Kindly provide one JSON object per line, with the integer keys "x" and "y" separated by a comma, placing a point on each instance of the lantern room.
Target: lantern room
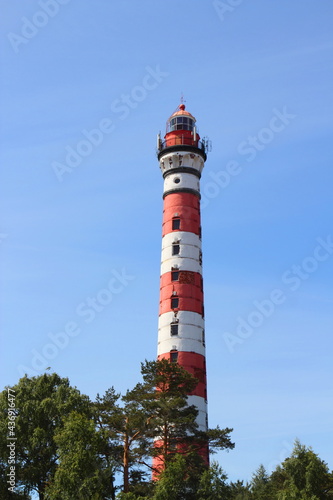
{"x": 180, "y": 131}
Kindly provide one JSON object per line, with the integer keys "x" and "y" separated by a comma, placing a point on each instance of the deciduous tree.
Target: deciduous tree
{"x": 84, "y": 472}
{"x": 41, "y": 405}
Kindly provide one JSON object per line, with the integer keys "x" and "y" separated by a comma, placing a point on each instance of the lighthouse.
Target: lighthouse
{"x": 181, "y": 330}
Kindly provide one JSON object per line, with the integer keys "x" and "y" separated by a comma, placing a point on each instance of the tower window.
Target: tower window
{"x": 174, "y": 329}
{"x": 174, "y": 275}
{"x": 174, "y": 356}
{"x": 174, "y": 302}
{"x": 203, "y": 338}
{"x": 176, "y": 223}
{"x": 175, "y": 248}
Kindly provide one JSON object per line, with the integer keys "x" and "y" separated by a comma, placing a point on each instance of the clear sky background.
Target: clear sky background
{"x": 257, "y": 75}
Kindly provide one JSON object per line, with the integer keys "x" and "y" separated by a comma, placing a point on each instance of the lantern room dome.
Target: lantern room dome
{"x": 181, "y": 111}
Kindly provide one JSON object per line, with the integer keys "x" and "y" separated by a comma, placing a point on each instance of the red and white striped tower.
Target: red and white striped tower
{"x": 181, "y": 334}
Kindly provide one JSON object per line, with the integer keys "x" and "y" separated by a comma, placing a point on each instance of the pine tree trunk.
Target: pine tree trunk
{"x": 165, "y": 443}
{"x": 125, "y": 463}
{"x": 41, "y": 492}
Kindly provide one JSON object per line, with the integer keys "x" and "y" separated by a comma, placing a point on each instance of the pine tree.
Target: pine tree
{"x": 304, "y": 476}
{"x": 260, "y": 484}
{"x": 212, "y": 485}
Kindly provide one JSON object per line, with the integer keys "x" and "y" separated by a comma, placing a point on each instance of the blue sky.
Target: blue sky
{"x": 80, "y": 244}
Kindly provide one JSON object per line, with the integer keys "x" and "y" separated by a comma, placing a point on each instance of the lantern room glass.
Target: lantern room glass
{"x": 181, "y": 123}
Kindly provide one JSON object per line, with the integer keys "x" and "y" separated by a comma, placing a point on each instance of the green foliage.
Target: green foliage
{"x": 83, "y": 472}
{"x": 168, "y": 378}
{"x": 173, "y": 483}
{"x": 306, "y": 477}
{"x": 212, "y": 485}
{"x": 70, "y": 448}
{"x": 180, "y": 482}
{"x": 219, "y": 439}
{"x": 42, "y": 403}
{"x": 260, "y": 486}
{"x": 125, "y": 429}
{"x": 163, "y": 399}
{"x": 156, "y": 407}
{"x": 130, "y": 496}
{"x": 163, "y": 395}
{"x": 20, "y": 492}
{"x": 239, "y": 491}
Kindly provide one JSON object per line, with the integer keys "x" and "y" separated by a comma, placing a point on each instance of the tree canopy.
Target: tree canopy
{"x": 68, "y": 447}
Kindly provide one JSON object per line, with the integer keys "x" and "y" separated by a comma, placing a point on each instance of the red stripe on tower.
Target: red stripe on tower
{"x": 181, "y": 335}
